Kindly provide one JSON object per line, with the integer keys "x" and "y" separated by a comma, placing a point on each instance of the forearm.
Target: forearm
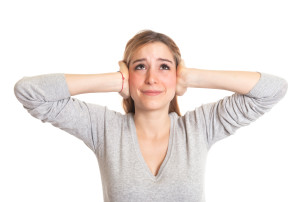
{"x": 93, "y": 83}
{"x": 236, "y": 81}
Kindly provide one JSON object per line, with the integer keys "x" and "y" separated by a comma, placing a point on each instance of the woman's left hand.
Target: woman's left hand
{"x": 181, "y": 85}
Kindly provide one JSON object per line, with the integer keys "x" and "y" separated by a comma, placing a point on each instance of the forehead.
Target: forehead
{"x": 153, "y": 49}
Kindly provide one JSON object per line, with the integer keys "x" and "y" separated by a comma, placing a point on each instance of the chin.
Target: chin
{"x": 153, "y": 106}
{"x": 153, "y": 103}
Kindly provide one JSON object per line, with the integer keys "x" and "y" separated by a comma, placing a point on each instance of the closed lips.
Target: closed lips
{"x": 151, "y": 91}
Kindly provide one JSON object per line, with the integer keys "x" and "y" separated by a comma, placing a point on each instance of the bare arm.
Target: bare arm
{"x": 95, "y": 83}
{"x": 236, "y": 81}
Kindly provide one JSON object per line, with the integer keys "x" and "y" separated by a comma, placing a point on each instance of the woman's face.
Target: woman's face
{"x": 152, "y": 77}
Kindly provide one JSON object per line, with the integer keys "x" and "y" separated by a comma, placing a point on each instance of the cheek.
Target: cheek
{"x": 134, "y": 81}
{"x": 170, "y": 82}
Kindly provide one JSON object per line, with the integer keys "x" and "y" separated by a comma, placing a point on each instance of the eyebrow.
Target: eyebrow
{"x": 160, "y": 59}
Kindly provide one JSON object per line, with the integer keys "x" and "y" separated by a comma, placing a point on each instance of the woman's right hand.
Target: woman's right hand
{"x": 124, "y": 69}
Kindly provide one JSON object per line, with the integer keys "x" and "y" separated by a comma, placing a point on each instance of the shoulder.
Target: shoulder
{"x": 191, "y": 118}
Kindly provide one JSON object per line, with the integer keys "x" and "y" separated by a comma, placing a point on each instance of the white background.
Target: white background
{"x": 39, "y": 162}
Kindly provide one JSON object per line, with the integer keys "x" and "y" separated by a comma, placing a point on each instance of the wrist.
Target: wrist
{"x": 193, "y": 77}
{"x": 187, "y": 77}
{"x": 122, "y": 82}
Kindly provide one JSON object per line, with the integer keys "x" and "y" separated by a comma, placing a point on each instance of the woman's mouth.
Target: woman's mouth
{"x": 151, "y": 92}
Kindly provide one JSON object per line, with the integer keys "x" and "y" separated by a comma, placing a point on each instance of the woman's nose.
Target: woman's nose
{"x": 151, "y": 77}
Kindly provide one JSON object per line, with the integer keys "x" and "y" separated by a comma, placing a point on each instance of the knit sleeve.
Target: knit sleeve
{"x": 222, "y": 118}
{"x": 46, "y": 97}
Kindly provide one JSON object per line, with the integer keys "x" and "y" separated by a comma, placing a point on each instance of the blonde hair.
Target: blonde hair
{"x": 142, "y": 38}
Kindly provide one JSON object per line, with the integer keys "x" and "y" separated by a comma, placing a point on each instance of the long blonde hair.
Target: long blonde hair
{"x": 140, "y": 39}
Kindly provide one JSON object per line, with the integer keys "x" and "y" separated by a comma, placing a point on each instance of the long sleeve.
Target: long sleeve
{"x": 222, "y": 118}
{"x": 46, "y": 97}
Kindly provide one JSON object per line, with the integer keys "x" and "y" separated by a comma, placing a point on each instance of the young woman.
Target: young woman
{"x": 151, "y": 153}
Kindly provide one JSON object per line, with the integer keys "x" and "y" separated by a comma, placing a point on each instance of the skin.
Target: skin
{"x": 152, "y": 74}
{"x": 152, "y": 67}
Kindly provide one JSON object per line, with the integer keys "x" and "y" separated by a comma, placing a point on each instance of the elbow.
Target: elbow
{"x": 283, "y": 88}
{"x": 19, "y": 88}
{"x": 286, "y": 85}
{"x": 22, "y": 91}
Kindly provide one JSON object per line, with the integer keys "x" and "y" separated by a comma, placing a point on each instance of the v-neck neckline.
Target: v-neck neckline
{"x": 139, "y": 152}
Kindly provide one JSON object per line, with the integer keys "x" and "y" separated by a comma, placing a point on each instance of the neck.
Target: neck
{"x": 152, "y": 124}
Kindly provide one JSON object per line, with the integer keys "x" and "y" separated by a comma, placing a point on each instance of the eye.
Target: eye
{"x": 165, "y": 67}
{"x": 140, "y": 66}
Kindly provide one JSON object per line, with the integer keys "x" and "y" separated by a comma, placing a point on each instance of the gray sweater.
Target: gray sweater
{"x": 112, "y": 136}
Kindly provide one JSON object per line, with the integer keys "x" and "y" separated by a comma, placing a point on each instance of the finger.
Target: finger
{"x": 122, "y": 65}
{"x": 182, "y": 64}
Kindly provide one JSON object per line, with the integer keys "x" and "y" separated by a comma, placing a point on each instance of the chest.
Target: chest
{"x": 154, "y": 153}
